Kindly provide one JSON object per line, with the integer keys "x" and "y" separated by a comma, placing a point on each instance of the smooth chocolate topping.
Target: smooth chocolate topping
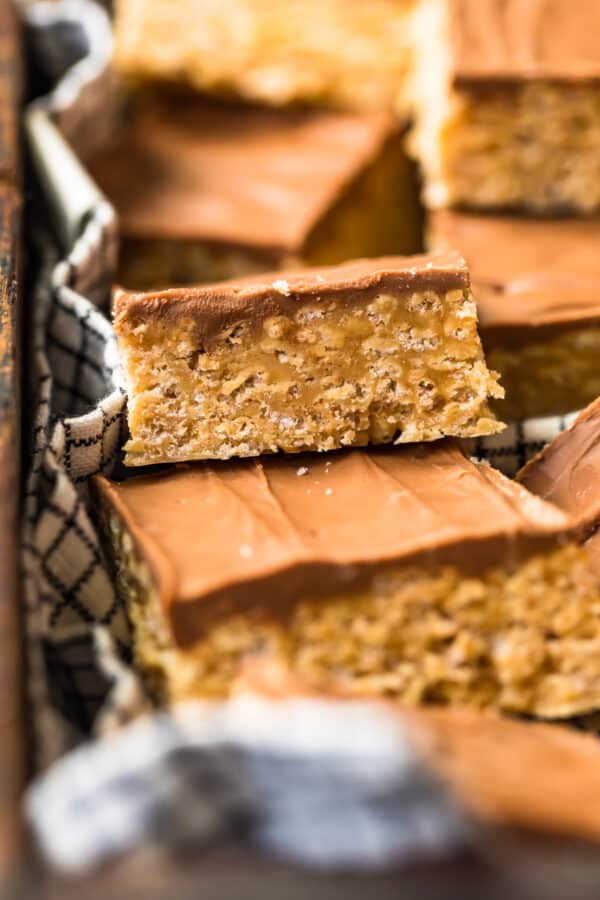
{"x": 531, "y": 278}
{"x": 218, "y": 306}
{"x": 238, "y": 175}
{"x": 567, "y": 471}
{"x": 517, "y": 39}
{"x": 269, "y": 531}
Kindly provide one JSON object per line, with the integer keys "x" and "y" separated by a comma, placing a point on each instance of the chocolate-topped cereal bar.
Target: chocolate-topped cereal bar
{"x": 409, "y": 572}
{"x": 537, "y": 288}
{"x": 507, "y": 96}
{"x": 534, "y": 778}
{"x": 567, "y": 472}
{"x": 208, "y": 191}
{"x": 333, "y": 53}
{"x": 371, "y": 351}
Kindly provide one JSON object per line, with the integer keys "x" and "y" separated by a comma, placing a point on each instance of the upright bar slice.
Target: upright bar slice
{"x": 507, "y": 96}
{"x": 409, "y": 572}
{"x": 567, "y": 473}
{"x": 208, "y": 191}
{"x": 368, "y": 352}
{"x": 348, "y": 55}
{"x": 537, "y": 287}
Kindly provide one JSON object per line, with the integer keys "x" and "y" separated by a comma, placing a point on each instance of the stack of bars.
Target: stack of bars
{"x": 402, "y": 569}
{"x": 298, "y": 159}
{"x": 507, "y": 110}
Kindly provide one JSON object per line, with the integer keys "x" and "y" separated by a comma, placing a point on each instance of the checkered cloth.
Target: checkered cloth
{"x": 338, "y": 789}
{"x": 79, "y": 405}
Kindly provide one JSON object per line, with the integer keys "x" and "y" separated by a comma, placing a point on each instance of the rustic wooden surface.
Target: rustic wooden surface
{"x": 526, "y": 870}
{"x": 11, "y": 748}
{"x": 10, "y": 93}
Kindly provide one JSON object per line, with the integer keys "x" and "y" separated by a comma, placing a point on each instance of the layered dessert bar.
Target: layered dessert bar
{"x": 529, "y": 777}
{"x": 507, "y": 96}
{"x": 371, "y": 351}
{"x": 206, "y": 192}
{"x": 567, "y": 473}
{"x": 348, "y": 55}
{"x": 537, "y": 287}
{"x": 407, "y": 572}
{"x": 532, "y": 778}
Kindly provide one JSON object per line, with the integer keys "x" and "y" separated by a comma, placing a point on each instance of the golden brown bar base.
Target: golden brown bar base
{"x": 507, "y": 101}
{"x": 378, "y": 215}
{"x": 335, "y": 53}
{"x": 537, "y": 287}
{"x": 531, "y": 146}
{"x": 552, "y": 377}
{"x": 522, "y": 641}
{"x": 148, "y": 264}
{"x": 390, "y": 368}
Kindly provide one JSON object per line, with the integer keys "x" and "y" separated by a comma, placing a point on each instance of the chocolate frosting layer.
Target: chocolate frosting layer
{"x": 517, "y": 39}
{"x": 217, "y": 306}
{"x": 567, "y": 471}
{"x": 532, "y": 278}
{"x": 228, "y": 537}
{"x": 192, "y": 170}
